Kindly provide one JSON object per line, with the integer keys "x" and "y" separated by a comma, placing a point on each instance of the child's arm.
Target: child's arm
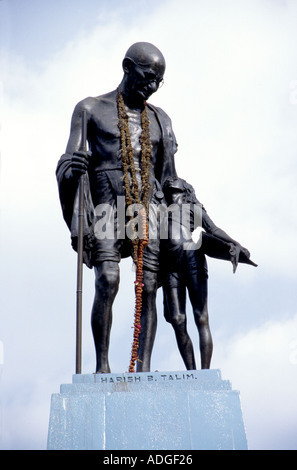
{"x": 236, "y": 248}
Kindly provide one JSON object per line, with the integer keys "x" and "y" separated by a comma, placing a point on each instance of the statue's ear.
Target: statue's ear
{"x": 127, "y": 65}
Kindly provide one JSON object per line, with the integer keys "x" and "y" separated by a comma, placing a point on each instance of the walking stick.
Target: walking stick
{"x": 80, "y": 252}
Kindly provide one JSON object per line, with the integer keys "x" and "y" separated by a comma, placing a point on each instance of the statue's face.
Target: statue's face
{"x": 144, "y": 80}
{"x": 175, "y": 196}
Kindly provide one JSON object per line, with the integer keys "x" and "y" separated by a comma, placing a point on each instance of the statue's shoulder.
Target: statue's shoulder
{"x": 162, "y": 115}
{"x": 106, "y": 99}
{"x": 93, "y": 102}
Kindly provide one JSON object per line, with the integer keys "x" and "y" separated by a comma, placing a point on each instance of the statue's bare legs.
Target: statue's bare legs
{"x": 197, "y": 288}
{"x": 106, "y": 287}
{"x": 176, "y": 307}
{"x": 148, "y": 321}
{"x": 175, "y": 299}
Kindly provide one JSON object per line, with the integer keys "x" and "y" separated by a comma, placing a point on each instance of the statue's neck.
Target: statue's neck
{"x": 130, "y": 100}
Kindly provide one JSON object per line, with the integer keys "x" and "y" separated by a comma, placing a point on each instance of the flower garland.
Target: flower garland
{"x": 134, "y": 196}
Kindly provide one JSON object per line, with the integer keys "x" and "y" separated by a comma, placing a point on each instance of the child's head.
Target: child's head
{"x": 174, "y": 185}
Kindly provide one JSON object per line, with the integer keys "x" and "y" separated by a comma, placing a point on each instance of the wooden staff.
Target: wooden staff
{"x": 80, "y": 252}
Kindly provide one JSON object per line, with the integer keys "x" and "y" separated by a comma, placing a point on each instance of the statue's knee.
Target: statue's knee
{"x": 201, "y": 317}
{"x": 150, "y": 283}
{"x": 178, "y": 320}
{"x": 107, "y": 276}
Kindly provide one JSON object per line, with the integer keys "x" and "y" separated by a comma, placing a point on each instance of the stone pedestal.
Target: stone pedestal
{"x": 184, "y": 410}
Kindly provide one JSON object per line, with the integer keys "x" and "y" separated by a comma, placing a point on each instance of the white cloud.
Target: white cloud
{"x": 227, "y": 89}
{"x": 261, "y": 364}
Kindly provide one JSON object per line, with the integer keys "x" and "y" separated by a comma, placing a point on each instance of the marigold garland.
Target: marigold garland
{"x": 134, "y": 195}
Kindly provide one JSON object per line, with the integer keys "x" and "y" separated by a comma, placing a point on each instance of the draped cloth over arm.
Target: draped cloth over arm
{"x": 69, "y": 199}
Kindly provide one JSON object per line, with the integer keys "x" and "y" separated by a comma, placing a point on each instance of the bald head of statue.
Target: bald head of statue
{"x": 144, "y": 66}
{"x": 146, "y": 54}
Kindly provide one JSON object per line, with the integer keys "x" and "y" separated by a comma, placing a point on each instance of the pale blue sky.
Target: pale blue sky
{"x": 230, "y": 89}
{"x": 36, "y": 29}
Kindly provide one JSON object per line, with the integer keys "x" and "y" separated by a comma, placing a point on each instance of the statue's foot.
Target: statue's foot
{"x": 102, "y": 365}
{"x": 103, "y": 370}
{"x": 141, "y": 367}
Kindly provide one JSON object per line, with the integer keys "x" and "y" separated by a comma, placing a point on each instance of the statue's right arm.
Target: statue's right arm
{"x": 78, "y": 160}
{"x": 72, "y": 164}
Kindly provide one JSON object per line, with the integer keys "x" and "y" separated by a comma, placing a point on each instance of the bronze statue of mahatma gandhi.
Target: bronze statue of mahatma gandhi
{"x": 130, "y": 156}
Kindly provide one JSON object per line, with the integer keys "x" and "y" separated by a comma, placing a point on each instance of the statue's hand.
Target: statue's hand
{"x": 235, "y": 251}
{"x": 79, "y": 163}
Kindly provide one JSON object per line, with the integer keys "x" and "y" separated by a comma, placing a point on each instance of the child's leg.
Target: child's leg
{"x": 175, "y": 313}
{"x": 197, "y": 288}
